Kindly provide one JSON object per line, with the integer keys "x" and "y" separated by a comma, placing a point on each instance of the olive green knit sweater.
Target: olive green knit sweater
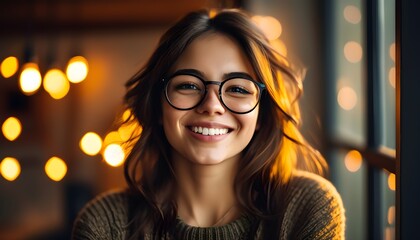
{"x": 314, "y": 210}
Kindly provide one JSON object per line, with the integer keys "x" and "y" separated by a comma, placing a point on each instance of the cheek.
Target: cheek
{"x": 250, "y": 122}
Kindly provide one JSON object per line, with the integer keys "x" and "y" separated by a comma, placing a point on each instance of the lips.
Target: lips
{"x": 209, "y": 131}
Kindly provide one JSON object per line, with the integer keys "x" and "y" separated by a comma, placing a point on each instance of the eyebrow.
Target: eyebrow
{"x": 200, "y": 74}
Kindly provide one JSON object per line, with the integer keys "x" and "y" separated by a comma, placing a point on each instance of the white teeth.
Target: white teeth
{"x": 210, "y": 131}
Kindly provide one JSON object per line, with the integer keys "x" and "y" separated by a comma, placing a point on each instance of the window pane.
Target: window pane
{"x": 388, "y": 205}
{"x": 348, "y": 62}
{"x": 348, "y": 172}
{"x": 388, "y": 78}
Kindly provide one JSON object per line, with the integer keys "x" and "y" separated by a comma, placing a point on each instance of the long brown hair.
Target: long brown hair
{"x": 275, "y": 151}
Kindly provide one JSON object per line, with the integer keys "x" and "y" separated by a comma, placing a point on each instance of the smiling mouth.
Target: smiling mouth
{"x": 209, "y": 131}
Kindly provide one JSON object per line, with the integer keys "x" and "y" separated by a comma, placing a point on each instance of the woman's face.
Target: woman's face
{"x": 224, "y": 134}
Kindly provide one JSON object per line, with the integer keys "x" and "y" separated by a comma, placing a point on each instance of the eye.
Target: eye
{"x": 187, "y": 86}
{"x": 237, "y": 90}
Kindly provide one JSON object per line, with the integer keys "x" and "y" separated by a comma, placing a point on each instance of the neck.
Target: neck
{"x": 205, "y": 193}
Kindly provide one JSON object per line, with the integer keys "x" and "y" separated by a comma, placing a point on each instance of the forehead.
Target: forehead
{"x": 214, "y": 53}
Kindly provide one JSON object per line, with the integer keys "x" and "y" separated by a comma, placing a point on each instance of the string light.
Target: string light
{"x": 91, "y": 143}
{"x": 56, "y": 169}
{"x": 56, "y": 83}
{"x": 30, "y": 78}
{"x": 9, "y": 66}
{"x": 114, "y": 155}
{"x": 10, "y": 168}
{"x": 11, "y": 128}
{"x": 77, "y": 69}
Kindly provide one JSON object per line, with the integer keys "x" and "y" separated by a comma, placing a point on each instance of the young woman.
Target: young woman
{"x": 220, "y": 147}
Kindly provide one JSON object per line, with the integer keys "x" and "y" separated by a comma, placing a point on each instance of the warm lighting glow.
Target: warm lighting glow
{"x": 114, "y": 155}
{"x": 56, "y": 83}
{"x": 30, "y": 78}
{"x": 391, "y": 76}
{"x": 212, "y": 13}
{"x": 11, "y": 128}
{"x": 10, "y": 168}
{"x": 391, "y": 181}
{"x": 347, "y": 98}
{"x": 353, "y": 161}
{"x": 392, "y": 52}
{"x": 279, "y": 46}
{"x": 127, "y": 130}
{"x": 112, "y": 137}
{"x": 270, "y": 26}
{"x": 391, "y": 215}
{"x": 353, "y": 52}
{"x": 389, "y": 233}
{"x": 352, "y": 14}
{"x": 9, "y": 66}
{"x": 91, "y": 143}
{"x": 77, "y": 69}
{"x": 126, "y": 115}
{"x": 56, "y": 169}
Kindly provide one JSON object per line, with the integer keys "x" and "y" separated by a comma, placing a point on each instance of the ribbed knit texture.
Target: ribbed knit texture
{"x": 314, "y": 210}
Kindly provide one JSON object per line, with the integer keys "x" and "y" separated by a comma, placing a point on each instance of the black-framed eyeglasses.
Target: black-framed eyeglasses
{"x": 186, "y": 90}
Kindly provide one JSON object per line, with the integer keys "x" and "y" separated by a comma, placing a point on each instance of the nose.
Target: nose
{"x": 211, "y": 103}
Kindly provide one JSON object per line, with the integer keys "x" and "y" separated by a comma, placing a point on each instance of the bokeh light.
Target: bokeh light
{"x": 9, "y": 66}
{"x": 353, "y": 52}
{"x": 391, "y": 215}
{"x": 392, "y": 51}
{"x": 10, "y": 168}
{"x": 353, "y": 161}
{"x": 11, "y": 128}
{"x": 352, "y": 14}
{"x": 77, "y": 69}
{"x": 279, "y": 46}
{"x": 391, "y": 182}
{"x": 30, "y": 78}
{"x": 56, "y": 169}
{"x": 114, "y": 155}
{"x": 91, "y": 143}
{"x": 347, "y": 98}
{"x": 270, "y": 26}
{"x": 112, "y": 137}
{"x": 56, "y": 83}
{"x": 392, "y": 76}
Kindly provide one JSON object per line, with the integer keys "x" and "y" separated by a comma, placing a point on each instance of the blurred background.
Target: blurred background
{"x": 64, "y": 64}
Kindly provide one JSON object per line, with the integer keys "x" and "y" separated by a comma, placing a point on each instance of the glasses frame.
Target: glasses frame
{"x": 261, "y": 88}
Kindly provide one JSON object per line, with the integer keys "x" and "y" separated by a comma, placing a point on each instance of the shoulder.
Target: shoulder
{"x": 314, "y": 208}
{"x": 106, "y": 216}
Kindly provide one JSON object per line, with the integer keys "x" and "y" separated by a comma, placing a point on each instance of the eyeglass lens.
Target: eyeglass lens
{"x": 237, "y": 94}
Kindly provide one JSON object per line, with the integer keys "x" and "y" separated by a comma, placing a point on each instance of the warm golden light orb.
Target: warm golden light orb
{"x": 352, "y": 14}
{"x": 56, "y": 83}
{"x": 347, "y": 98}
{"x": 391, "y": 182}
{"x": 10, "y": 168}
{"x": 91, "y": 143}
{"x": 9, "y": 66}
{"x": 77, "y": 69}
{"x": 112, "y": 137}
{"x": 353, "y": 52}
{"x": 30, "y": 78}
{"x": 392, "y": 76}
{"x": 56, "y": 169}
{"x": 353, "y": 161}
{"x": 270, "y": 26}
{"x": 114, "y": 155}
{"x": 11, "y": 128}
